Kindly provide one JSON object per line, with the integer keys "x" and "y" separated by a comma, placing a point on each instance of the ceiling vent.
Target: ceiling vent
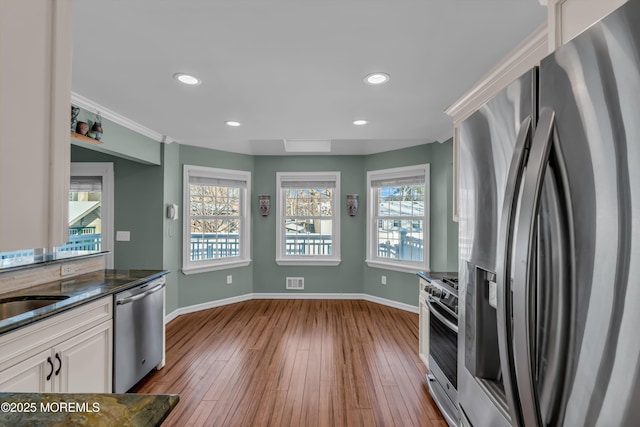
{"x": 307, "y": 145}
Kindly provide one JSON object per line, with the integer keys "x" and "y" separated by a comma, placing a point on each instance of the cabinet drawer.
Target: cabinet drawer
{"x": 46, "y": 333}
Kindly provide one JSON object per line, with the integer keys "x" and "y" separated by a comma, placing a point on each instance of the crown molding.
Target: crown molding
{"x": 89, "y": 105}
{"x": 523, "y": 57}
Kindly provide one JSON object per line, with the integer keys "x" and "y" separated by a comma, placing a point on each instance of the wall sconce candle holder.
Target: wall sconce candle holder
{"x": 264, "y": 203}
{"x": 352, "y": 204}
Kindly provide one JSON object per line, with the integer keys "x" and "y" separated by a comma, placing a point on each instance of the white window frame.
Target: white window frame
{"x": 312, "y": 260}
{"x": 105, "y": 171}
{"x": 373, "y": 260}
{"x": 244, "y": 259}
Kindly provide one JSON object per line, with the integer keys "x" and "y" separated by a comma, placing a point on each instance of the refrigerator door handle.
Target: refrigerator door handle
{"x": 503, "y": 276}
{"x": 524, "y": 274}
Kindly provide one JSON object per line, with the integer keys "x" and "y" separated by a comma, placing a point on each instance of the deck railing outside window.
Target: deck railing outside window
{"x": 216, "y": 245}
{"x": 407, "y": 249}
{"x": 82, "y": 239}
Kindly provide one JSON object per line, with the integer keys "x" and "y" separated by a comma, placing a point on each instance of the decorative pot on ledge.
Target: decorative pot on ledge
{"x": 74, "y": 117}
{"x": 82, "y": 128}
{"x": 97, "y": 130}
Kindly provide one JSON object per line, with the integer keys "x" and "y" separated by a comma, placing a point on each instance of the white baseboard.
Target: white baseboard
{"x": 246, "y": 297}
{"x": 391, "y": 303}
{"x": 295, "y": 295}
{"x": 205, "y": 306}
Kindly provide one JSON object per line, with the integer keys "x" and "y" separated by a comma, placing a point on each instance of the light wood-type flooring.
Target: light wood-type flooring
{"x": 295, "y": 363}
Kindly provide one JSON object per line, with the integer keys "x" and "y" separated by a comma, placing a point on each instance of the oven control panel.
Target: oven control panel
{"x": 443, "y": 291}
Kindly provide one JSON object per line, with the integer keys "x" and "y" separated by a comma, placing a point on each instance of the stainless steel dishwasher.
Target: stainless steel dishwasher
{"x": 138, "y": 336}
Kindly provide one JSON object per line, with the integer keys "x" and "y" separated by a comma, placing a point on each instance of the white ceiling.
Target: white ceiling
{"x": 292, "y": 69}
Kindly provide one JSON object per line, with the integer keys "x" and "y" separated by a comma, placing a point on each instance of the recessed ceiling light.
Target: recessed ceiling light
{"x": 187, "y": 79}
{"x": 376, "y": 78}
{"x": 232, "y": 123}
{"x": 360, "y": 122}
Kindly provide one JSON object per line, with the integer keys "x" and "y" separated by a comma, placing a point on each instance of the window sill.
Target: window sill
{"x": 217, "y": 266}
{"x": 309, "y": 261}
{"x": 404, "y": 268}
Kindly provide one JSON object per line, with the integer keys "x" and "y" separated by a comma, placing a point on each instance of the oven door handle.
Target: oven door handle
{"x": 448, "y": 323}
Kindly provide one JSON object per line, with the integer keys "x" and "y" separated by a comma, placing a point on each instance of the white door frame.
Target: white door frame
{"x": 104, "y": 170}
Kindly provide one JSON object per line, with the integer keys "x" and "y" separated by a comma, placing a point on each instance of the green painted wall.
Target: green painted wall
{"x": 171, "y": 239}
{"x": 402, "y": 287}
{"x": 143, "y": 191}
{"x": 138, "y": 209}
{"x": 344, "y": 278}
{"x": 211, "y": 286}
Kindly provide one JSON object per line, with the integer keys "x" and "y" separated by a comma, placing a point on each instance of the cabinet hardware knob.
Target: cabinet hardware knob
{"x": 50, "y": 364}
{"x": 60, "y": 363}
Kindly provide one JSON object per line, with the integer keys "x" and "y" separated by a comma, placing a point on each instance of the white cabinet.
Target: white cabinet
{"x": 35, "y": 83}
{"x": 30, "y": 375}
{"x": 68, "y": 353}
{"x": 85, "y": 361}
{"x": 568, "y": 18}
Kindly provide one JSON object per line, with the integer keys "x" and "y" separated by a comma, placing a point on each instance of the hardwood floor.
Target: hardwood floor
{"x": 295, "y": 363}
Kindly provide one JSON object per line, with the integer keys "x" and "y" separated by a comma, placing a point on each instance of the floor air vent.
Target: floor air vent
{"x": 296, "y": 283}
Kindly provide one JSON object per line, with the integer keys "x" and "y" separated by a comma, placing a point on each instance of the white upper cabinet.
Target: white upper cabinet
{"x": 35, "y": 99}
{"x": 568, "y": 18}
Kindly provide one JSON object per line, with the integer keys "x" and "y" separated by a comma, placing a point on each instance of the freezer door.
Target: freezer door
{"x": 592, "y": 88}
{"x": 487, "y": 144}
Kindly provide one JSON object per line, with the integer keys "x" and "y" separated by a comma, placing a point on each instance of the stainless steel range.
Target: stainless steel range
{"x": 441, "y": 298}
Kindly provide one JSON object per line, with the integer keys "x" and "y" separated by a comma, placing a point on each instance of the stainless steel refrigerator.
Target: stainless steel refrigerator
{"x": 549, "y": 272}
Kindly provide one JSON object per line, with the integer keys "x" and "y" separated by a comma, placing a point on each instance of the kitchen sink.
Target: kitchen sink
{"x": 14, "y": 306}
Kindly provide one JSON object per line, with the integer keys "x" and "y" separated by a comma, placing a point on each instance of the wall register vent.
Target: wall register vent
{"x": 295, "y": 283}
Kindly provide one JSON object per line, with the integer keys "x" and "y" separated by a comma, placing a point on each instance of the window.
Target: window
{"x": 91, "y": 209}
{"x": 90, "y": 216}
{"x": 216, "y": 219}
{"x": 308, "y": 218}
{"x": 398, "y": 219}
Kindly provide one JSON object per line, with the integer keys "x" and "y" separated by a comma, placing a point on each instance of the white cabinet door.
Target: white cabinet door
{"x": 35, "y": 83}
{"x": 85, "y": 362}
{"x": 30, "y": 375}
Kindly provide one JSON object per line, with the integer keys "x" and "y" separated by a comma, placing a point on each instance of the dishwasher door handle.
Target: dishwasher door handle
{"x": 140, "y": 296}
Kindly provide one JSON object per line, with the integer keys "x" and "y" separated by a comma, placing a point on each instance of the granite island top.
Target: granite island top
{"x": 85, "y": 409}
{"x": 79, "y": 290}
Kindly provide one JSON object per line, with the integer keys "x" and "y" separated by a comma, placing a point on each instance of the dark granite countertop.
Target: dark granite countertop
{"x": 85, "y": 409}
{"x": 430, "y": 275}
{"x": 80, "y": 290}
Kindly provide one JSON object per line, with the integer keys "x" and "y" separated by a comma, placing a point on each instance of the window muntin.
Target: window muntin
{"x": 397, "y": 218}
{"x": 216, "y": 219}
{"x": 308, "y": 226}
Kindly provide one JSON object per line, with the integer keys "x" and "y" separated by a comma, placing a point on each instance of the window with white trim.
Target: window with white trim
{"x": 398, "y": 218}
{"x": 308, "y": 225}
{"x": 217, "y": 219}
